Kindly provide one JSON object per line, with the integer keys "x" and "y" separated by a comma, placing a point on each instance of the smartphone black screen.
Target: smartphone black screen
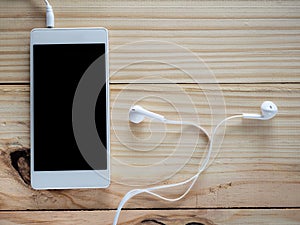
{"x": 57, "y": 70}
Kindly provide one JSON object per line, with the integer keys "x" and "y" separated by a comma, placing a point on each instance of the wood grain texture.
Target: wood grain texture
{"x": 169, "y": 56}
{"x": 155, "y": 217}
{"x": 257, "y": 165}
{"x": 239, "y": 41}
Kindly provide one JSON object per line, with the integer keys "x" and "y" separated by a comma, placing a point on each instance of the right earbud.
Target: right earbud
{"x": 268, "y": 111}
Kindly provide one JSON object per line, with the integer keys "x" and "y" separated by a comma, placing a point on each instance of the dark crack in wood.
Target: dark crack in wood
{"x": 195, "y": 223}
{"x": 153, "y": 221}
{"x": 20, "y": 160}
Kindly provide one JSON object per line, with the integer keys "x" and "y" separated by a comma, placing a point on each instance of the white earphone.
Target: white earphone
{"x": 268, "y": 111}
{"x": 137, "y": 113}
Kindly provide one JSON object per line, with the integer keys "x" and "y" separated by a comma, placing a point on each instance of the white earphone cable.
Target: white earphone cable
{"x": 194, "y": 178}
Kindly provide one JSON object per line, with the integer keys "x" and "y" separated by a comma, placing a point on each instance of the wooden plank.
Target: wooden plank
{"x": 257, "y": 165}
{"x": 154, "y": 217}
{"x": 239, "y": 41}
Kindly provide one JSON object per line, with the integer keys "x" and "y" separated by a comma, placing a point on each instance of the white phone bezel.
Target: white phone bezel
{"x": 78, "y": 178}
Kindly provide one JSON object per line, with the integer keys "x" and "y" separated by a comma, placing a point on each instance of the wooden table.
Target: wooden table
{"x": 244, "y": 51}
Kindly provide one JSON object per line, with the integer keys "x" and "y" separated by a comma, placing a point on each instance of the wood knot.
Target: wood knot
{"x": 219, "y": 187}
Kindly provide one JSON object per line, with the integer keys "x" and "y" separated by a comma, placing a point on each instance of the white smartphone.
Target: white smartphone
{"x": 69, "y": 108}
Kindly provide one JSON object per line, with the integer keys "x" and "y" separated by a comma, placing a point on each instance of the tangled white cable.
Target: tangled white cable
{"x": 137, "y": 115}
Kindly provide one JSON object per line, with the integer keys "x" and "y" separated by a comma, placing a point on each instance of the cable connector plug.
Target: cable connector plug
{"x": 49, "y": 16}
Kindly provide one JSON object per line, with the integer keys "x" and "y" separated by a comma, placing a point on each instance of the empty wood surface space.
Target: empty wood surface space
{"x": 192, "y": 60}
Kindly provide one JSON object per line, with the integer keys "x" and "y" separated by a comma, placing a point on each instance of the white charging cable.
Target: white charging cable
{"x": 49, "y": 15}
{"x": 193, "y": 179}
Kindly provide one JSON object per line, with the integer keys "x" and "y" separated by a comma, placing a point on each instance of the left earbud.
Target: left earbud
{"x": 137, "y": 114}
